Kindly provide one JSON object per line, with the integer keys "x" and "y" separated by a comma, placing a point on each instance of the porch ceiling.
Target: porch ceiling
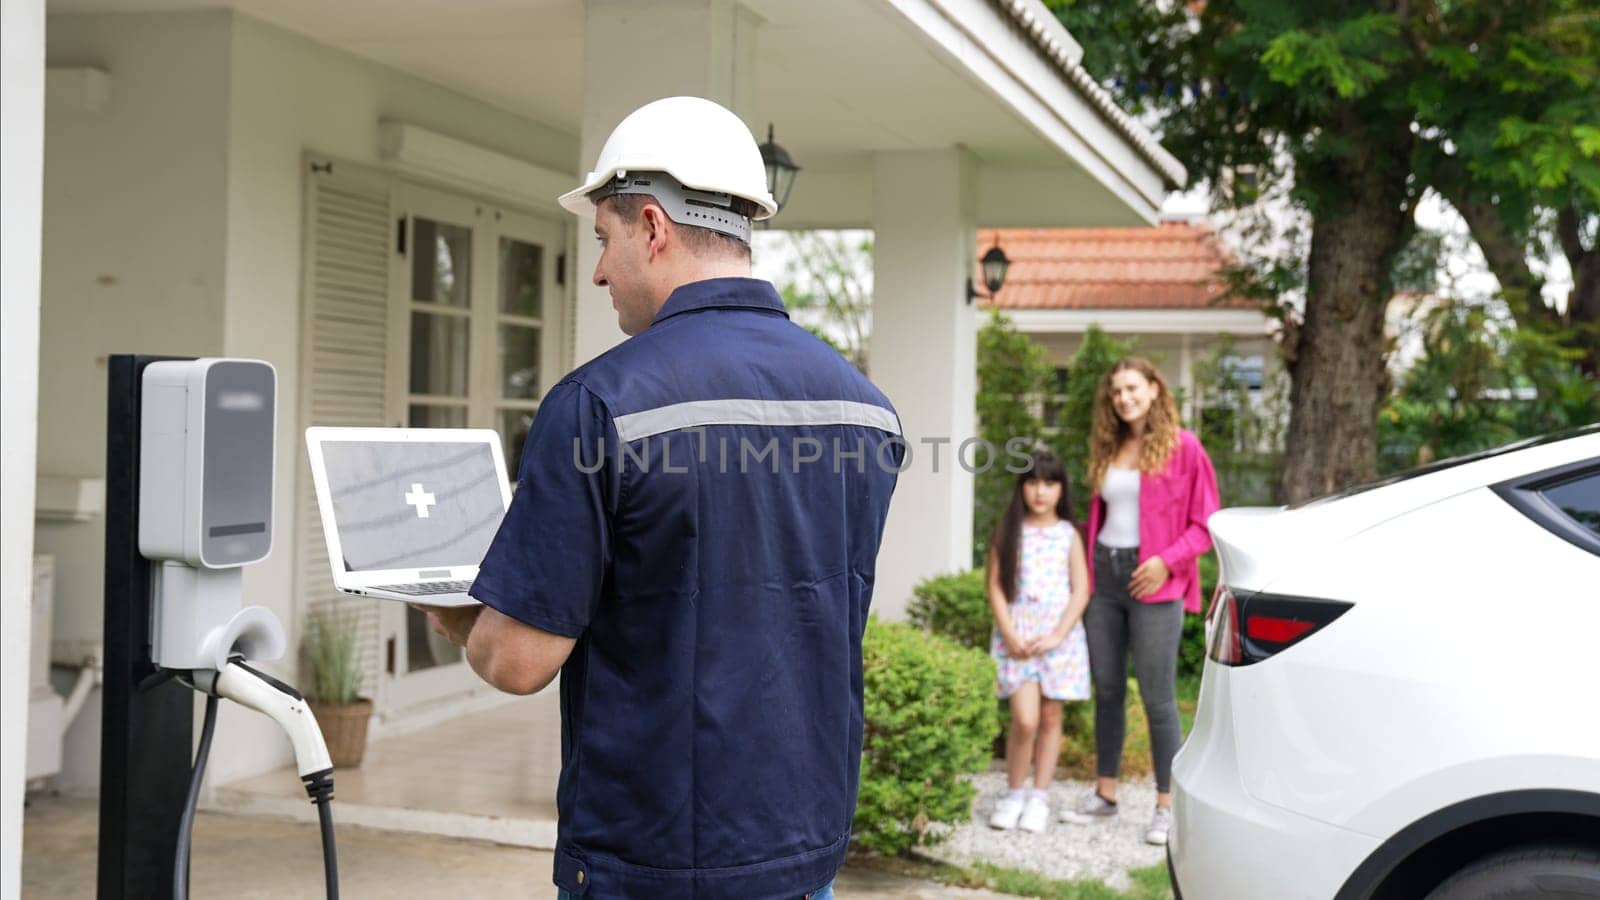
{"x": 841, "y": 79}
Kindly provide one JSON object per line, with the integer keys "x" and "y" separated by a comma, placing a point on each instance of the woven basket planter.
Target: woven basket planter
{"x": 344, "y": 728}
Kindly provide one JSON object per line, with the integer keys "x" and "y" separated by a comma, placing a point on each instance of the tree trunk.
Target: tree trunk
{"x": 1583, "y": 303}
{"x": 1503, "y": 250}
{"x": 1338, "y": 371}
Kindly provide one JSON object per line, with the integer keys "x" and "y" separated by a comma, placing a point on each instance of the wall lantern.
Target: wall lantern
{"x": 780, "y": 169}
{"x": 994, "y": 264}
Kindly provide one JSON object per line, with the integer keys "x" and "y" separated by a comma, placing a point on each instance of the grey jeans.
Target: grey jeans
{"x": 1115, "y": 623}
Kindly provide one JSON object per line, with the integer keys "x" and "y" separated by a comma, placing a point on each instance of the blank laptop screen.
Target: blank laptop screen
{"x": 405, "y": 505}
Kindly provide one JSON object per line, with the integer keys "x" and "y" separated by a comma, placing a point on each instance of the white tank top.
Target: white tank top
{"x": 1121, "y": 493}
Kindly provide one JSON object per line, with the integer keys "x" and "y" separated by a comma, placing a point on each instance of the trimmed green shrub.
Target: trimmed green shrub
{"x": 956, "y": 606}
{"x": 930, "y": 719}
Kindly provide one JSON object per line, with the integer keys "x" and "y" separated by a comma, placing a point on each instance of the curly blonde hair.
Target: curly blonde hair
{"x": 1109, "y": 431}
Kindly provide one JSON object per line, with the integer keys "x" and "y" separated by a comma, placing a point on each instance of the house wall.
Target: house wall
{"x": 173, "y": 224}
{"x": 288, "y": 95}
{"x": 135, "y": 230}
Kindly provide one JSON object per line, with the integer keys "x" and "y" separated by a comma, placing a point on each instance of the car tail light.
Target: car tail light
{"x": 1248, "y": 628}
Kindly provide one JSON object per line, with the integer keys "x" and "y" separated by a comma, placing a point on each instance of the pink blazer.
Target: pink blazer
{"x": 1173, "y": 509}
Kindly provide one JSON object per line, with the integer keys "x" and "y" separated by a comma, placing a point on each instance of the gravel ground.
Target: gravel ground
{"x": 1104, "y": 850}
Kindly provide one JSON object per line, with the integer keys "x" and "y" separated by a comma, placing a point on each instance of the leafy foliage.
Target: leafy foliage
{"x": 331, "y": 651}
{"x": 954, "y": 606}
{"x": 930, "y": 719}
{"x": 1494, "y": 105}
{"x": 1480, "y": 383}
{"x": 1242, "y": 430}
{"x": 827, "y": 285}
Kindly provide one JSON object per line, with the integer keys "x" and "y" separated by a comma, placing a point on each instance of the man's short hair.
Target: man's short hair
{"x": 701, "y": 241}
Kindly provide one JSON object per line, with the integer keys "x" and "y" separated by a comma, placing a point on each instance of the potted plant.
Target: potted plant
{"x": 331, "y": 652}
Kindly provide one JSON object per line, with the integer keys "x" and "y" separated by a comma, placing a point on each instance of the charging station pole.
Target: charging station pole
{"x": 147, "y": 726}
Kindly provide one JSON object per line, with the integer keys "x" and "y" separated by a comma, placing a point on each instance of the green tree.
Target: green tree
{"x": 1242, "y": 430}
{"x": 1013, "y": 375}
{"x": 827, "y": 285}
{"x": 1348, "y": 108}
{"x": 1481, "y": 382}
{"x": 1511, "y": 137}
{"x": 1094, "y": 358}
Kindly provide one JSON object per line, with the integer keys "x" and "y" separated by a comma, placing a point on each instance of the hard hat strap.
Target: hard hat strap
{"x": 685, "y": 206}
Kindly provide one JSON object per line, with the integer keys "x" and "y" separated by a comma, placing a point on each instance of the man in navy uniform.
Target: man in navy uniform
{"x": 692, "y": 546}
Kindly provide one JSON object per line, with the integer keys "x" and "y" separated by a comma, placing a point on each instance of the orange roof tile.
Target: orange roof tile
{"x": 1172, "y": 266}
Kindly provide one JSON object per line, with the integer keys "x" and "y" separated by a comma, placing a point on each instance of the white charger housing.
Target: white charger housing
{"x": 208, "y": 430}
{"x": 207, "y": 434}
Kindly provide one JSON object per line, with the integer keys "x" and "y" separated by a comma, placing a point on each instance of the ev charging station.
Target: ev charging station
{"x": 190, "y": 448}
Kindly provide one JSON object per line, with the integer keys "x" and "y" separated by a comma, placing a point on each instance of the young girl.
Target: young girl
{"x": 1154, "y": 489}
{"x": 1038, "y": 588}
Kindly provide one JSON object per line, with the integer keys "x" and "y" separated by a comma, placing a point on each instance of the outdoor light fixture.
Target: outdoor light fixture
{"x": 780, "y": 169}
{"x": 994, "y": 265}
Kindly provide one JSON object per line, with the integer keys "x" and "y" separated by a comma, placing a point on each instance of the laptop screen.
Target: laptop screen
{"x": 412, "y": 504}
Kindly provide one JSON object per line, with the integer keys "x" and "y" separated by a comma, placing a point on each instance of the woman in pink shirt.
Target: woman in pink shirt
{"x": 1153, "y": 490}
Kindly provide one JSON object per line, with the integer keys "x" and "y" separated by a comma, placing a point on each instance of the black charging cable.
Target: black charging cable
{"x": 180, "y": 859}
{"x": 319, "y": 787}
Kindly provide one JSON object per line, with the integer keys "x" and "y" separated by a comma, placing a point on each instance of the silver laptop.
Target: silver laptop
{"x": 408, "y": 513}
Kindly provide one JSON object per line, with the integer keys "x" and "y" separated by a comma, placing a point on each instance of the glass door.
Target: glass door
{"x": 480, "y": 311}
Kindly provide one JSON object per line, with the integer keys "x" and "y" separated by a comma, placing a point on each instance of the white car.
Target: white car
{"x": 1402, "y": 695}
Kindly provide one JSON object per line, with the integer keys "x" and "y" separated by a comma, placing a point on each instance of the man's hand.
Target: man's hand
{"x": 453, "y": 623}
{"x": 1149, "y": 577}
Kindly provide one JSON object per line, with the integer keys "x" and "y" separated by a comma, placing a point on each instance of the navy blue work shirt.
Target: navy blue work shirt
{"x": 701, "y": 508}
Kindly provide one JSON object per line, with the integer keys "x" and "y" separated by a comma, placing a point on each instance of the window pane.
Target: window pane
{"x": 437, "y": 417}
{"x": 521, "y": 281}
{"x": 424, "y": 649}
{"x": 519, "y": 362}
{"x": 441, "y": 263}
{"x": 1580, "y": 500}
{"x": 514, "y": 425}
{"x": 438, "y": 355}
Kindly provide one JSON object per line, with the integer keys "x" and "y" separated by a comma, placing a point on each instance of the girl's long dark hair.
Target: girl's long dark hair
{"x": 1007, "y": 539}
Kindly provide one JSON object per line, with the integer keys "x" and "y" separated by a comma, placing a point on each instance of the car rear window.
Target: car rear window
{"x": 1564, "y": 501}
{"x": 1578, "y": 500}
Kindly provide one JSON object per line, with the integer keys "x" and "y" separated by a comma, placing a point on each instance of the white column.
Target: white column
{"x": 636, "y": 52}
{"x": 22, "y": 172}
{"x": 923, "y": 354}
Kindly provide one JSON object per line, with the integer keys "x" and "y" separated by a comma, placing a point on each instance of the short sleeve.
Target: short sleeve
{"x": 549, "y": 560}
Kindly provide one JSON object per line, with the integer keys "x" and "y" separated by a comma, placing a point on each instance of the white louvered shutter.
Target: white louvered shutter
{"x": 344, "y": 358}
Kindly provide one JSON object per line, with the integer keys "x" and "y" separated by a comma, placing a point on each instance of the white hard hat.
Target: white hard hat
{"x": 703, "y": 146}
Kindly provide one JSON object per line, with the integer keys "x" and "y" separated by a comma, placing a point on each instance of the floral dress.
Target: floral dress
{"x": 1043, "y": 594}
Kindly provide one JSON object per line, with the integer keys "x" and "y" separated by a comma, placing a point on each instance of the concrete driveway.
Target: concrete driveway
{"x": 248, "y": 858}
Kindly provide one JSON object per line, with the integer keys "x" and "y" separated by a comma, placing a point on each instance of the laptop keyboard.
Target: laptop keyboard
{"x": 423, "y": 590}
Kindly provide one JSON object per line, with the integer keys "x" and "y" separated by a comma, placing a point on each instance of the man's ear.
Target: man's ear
{"x": 657, "y": 228}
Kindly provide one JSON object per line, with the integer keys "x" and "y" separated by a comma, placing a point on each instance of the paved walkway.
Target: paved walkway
{"x": 248, "y": 858}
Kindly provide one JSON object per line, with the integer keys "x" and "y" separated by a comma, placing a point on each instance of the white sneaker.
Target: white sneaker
{"x": 1090, "y": 808}
{"x": 1006, "y": 813}
{"x": 1159, "y": 826}
{"x": 1035, "y": 814}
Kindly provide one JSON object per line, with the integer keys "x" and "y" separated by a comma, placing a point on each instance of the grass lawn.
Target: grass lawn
{"x": 1149, "y": 883}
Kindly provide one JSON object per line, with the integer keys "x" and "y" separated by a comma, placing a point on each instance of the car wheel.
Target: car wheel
{"x": 1538, "y": 872}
